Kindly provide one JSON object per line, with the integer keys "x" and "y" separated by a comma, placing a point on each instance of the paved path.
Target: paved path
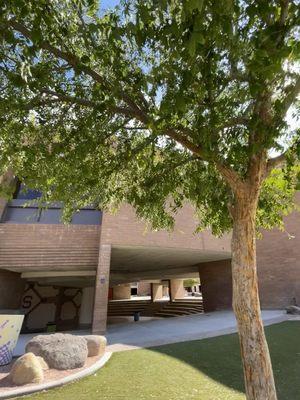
{"x": 135, "y": 335}
{"x": 178, "y": 329}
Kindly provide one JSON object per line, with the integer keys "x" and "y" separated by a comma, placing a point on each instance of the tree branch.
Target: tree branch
{"x": 230, "y": 176}
{"x": 74, "y": 61}
{"x": 276, "y": 161}
{"x": 133, "y": 111}
{"x": 62, "y": 97}
{"x": 284, "y": 11}
{"x": 282, "y": 158}
{"x": 240, "y": 120}
{"x": 292, "y": 93}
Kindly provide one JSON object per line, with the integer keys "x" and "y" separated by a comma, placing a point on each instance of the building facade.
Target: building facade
{"x": 64, "y": 274}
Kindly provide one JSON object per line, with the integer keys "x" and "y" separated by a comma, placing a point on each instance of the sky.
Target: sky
{"x": 105, "y": 4}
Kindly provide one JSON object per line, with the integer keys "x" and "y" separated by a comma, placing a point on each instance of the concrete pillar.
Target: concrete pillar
{"x": 101, "y": 290}
{"x": 122, "y": 292}
{"x": 176, "y": 289}
{"x": 144, "y": 289}
{"x": 165, "y": 291}
{"x": 156, "y": 291}
{"x": 87, "y": 304}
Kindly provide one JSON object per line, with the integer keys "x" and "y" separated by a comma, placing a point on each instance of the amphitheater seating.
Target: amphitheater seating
{"x": 162, "y": 308}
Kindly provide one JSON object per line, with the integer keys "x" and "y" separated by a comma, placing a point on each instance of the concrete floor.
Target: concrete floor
{"x": 147, "y": 333}
{"x": 179, "y": 329}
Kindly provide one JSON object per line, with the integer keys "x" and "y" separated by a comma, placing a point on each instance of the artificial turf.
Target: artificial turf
{"x": 208, "y": 369}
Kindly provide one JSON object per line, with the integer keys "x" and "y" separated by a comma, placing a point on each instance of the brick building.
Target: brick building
{"x": 66, "y": 273}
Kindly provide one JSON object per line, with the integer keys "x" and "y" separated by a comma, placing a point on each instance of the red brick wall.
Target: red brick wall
{"x": 278, "y": 260}
{"x": 124, "y": 229}
{"x": 278, "y": 266}
{"x": 216, "y": 285}
{"x": 11, "y": 290}
{"x": 37, "y": 246}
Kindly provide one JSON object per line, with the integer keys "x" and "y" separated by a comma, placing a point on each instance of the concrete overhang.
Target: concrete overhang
{"x": 135, "y": 263}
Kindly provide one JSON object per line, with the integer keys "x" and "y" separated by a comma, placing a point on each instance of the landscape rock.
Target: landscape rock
{"x": 96, "y": 345}
{"x": 26, "y": 369}
{"x": 60, "y": 351}
{"x": 43, "y": 363}
{"x": 295, "y": 310}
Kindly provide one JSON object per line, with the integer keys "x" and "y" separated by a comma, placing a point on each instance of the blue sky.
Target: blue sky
{"x": 108, "y": 3}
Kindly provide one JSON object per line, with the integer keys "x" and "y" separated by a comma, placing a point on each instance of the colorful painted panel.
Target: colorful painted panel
{"x": 10, "y": 326}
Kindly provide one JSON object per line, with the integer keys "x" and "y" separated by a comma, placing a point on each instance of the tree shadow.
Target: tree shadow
{"x": 219, "y": 358}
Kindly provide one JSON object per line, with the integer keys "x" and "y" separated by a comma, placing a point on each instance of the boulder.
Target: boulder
{"x": 43, "y": 363}
{"x": 26, "y": 369}
{"x": 96, "y": 345}
{"x": 295, "y": 310}
{"x": 60, "y": 351}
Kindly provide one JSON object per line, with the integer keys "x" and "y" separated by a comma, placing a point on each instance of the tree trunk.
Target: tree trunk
{"x": 258, "y": 374}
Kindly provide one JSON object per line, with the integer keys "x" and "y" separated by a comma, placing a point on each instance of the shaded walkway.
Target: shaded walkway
{"x": 179, "y": 329}
{"x": 155, "y": 332}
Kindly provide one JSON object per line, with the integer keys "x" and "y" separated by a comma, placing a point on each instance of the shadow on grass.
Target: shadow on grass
{"x": 219, "y": 358}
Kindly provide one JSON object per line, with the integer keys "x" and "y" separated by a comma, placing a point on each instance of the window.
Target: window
{"x": 87, "y": 217}
{"x": 24, "y": 193}
{"x": 50, "y": 216}
{"x": 19, "y": 211}
{"x": 21, "y": 215}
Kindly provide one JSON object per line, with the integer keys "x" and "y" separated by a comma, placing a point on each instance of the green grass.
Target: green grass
{"x": 207, "y": 369}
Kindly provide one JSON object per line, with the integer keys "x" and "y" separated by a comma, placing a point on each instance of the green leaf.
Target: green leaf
{"x": 191, "y": 5}
{"x": 85, "y": 59}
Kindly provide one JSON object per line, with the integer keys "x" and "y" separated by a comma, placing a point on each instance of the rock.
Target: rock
{"x": 26, "y": 369}
{"x": 43, "y": 363}
{"x": 60, "y": 351}
{"x": 96, "y": 345}
{"x": 293, "y": 310}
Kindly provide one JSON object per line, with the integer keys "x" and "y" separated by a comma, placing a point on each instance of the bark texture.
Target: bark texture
{"x": 258, "y": 374}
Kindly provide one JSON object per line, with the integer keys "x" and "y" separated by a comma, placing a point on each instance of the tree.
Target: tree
{"x": 157, "y": 103}
{"x": 191, "y": 282}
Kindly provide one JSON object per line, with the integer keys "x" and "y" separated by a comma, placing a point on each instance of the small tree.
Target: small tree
{"x": 157, "y": 103}
{"x": 188, "y": 283}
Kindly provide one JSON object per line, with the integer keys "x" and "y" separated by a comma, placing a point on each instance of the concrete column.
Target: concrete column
{"x": 156, "y": 291}
{"x": 122, "y": 292}
{"x": 87, "y": 304}
{"x": 176, "y": 289}
{"x": 144, "y": 289}
{"x": 165, "y": 291}
{"x": 101, "y": 290}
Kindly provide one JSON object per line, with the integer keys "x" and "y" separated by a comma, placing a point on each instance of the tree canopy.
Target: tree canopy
{"x": 154, "y": 103}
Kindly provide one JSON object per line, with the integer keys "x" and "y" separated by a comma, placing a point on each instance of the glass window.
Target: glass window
{"x": 87, "y": 217}
{"x": 22, "y": 209}
{"x": 21, "y": 215}
{"x": 25, "y": 193}
{"x": 51, "y": 216}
